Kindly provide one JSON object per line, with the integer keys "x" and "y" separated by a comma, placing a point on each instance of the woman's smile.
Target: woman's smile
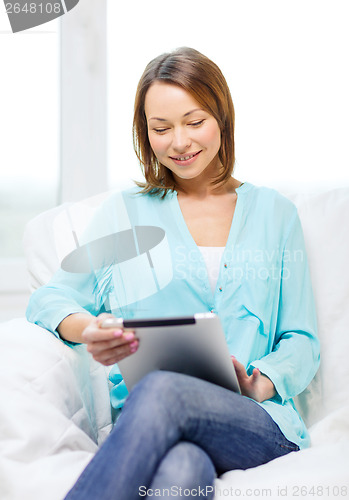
{"x": 188, "y": 159}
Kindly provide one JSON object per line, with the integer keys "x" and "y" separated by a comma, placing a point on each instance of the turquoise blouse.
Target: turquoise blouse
{"x": 138, "y": 259}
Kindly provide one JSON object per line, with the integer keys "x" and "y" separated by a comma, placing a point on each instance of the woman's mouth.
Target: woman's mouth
{"x": 187, "y": 159}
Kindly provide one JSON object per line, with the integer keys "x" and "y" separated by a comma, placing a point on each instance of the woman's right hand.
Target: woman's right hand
{"x": 108, "y": 345}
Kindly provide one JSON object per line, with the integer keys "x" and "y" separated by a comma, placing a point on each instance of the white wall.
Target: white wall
{"x": 286, "y": 65}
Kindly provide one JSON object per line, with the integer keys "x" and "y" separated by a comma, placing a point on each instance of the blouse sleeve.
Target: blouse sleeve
{"x": 295, "y": 356}
{"x": 65, "y": 294}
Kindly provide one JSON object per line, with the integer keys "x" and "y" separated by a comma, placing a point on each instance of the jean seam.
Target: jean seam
{"x": 291, "y": 447}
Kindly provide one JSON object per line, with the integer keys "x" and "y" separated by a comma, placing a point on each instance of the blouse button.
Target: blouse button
{"x": 220, "y": 289}
{"x": 225, "y": 265}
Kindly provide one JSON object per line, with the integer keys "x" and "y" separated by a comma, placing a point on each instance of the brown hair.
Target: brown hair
{"x": 204, "y": 81}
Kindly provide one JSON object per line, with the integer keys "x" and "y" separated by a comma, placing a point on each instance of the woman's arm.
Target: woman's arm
{"x": 67, "y": 294}
{"x": 70, "y": 308}
{"x": 295, "y": 356}
{"x": 72, "y": 327}
{"x": 107, "y": 345}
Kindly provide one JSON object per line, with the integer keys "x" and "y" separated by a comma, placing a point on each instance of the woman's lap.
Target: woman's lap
{"x": 165, "y": 409}
{"x": 234, "y": 430}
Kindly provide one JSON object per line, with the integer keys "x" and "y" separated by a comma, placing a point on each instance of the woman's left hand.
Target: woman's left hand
{"x": 255, "y": 386}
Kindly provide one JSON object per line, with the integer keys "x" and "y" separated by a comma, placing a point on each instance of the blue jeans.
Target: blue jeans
{"x": 177, "y": 431}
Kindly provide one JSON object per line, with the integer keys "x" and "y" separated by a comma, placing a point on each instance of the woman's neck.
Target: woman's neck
{"x": 197, "y": 189}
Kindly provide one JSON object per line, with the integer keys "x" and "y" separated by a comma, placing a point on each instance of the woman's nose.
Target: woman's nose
{"x": 181, "y": 140}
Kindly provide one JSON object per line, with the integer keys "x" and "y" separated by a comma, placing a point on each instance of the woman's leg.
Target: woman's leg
{"x": 164, "y": 409}
{"x": 185, "y": 467}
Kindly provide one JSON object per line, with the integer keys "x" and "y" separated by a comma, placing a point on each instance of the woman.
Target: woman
{"x": 231, "y": 248}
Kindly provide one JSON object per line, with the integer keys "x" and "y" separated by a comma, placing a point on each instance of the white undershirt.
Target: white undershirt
{"x": 212, "y": 257}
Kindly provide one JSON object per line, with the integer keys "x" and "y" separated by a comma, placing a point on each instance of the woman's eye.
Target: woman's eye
{"x": 160, "y": 130}
{"x": 196, "y": 124}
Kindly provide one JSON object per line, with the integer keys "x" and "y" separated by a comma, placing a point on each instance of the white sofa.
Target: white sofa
{"x": 55, "y": 408}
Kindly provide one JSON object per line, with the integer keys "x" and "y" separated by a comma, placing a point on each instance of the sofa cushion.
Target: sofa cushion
{"x": 325, "y": 219}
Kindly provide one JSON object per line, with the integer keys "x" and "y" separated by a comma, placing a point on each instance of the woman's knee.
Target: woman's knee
{"x": 173, "y": 398}
{"x": 188, "y": 467}
{"x": 153, "y": 400}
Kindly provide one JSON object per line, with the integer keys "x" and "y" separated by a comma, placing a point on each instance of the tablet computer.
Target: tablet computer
{"x": 193, "y": 345}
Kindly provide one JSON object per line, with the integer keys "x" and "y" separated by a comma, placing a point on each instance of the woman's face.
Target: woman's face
{"x": 184, "y": 137}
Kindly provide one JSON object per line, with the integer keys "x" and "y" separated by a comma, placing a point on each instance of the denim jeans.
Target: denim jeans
{"x": 175, "y": 433}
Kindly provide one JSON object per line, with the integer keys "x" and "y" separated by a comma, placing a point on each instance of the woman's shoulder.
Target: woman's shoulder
{"x": 270, "y": 198}
{"x": 267, "y": 207}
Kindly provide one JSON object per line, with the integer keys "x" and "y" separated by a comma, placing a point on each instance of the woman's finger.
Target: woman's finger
{"x": 117, "y": 353}
{"x": 93, "y": 334}
{"x": 96, "y": 347}
{"x": 239, "y": 368}
{"x": 255, "y": 375}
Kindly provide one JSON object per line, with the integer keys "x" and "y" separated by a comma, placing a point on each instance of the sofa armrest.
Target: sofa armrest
{"x": 41, "y": 378}
{"x": 55, "y": 411}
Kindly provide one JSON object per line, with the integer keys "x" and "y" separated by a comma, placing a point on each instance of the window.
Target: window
{"x": 53, "y": 120}
{"x": 29, "y": 153}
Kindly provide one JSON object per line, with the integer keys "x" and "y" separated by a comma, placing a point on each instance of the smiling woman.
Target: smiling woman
{"x": 184, "y": 117}
{"x": 190, "y": 429}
